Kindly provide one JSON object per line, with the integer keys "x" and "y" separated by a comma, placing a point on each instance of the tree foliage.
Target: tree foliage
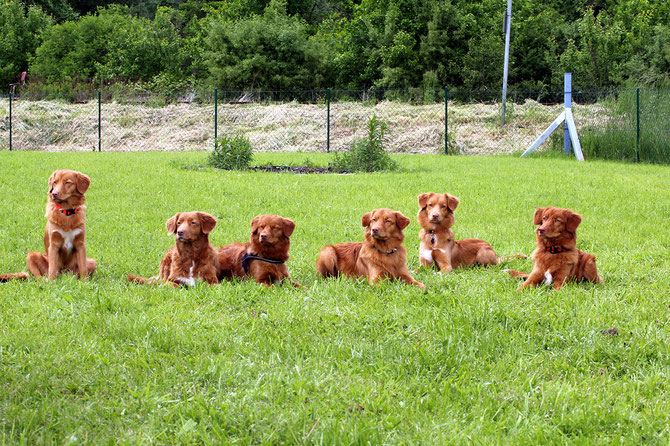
{"x": 281, "y": 44}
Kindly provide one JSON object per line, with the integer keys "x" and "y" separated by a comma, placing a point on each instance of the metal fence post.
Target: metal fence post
{"x": 99, "y": 123}
{"x": 216, "y": 115}
{"x": 446, "y": 120}
{"x": 637, "y": 139}
{"x": 10, "y": 120}
{"x": 328, "y": 121}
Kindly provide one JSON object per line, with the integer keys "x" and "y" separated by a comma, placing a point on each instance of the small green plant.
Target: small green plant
{"x": 231, "y": 153}
{"x": 366, "y": 154}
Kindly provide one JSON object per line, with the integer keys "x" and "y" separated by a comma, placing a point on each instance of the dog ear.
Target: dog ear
{"x": 52, "y": 178}
{"x": 288, "y": 226}
{"x": 401, "y": 220}
{"x": 171, "y": 224}
{"x": 423, "y": 200}
{"x": 254, "y": 224}
{"x": 365, "y": 219}
{"x": 83, "y": 181}
{"x": 207, "y": 222}
{"x": 573, "y": 220}
{"x": 537, "y": 218}
{"x": 452, "y": 202}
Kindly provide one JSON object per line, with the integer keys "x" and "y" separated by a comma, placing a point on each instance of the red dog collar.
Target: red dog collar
{"x": 66, "y": 212}
{"x": 555, "y": 249}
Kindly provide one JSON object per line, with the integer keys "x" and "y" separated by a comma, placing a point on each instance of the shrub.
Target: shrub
{"x": 366, "y": 154}
{"x": 231, "y": 153}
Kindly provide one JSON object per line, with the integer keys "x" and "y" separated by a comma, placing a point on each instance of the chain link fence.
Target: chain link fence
{"x": 618, "y": 124}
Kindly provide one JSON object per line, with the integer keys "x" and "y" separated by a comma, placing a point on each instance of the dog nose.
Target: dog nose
{"x": 264, "y": 236}
{"x": 54, "y": 194}
{"x": 180, "y": 233}
{"x": 375, "y": 230}
{"x": 434, "y": 216}
{"x": 541, "y": 230}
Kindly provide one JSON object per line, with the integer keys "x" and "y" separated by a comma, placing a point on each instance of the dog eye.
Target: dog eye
{"x": 179, "y": 222}
{"x": 388, "y": 220}
{"x": 192, "y": 222}
{"x": 544, "y": 218}
{"x": 374, "y": 219}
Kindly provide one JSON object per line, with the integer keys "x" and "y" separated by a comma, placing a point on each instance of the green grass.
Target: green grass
{"x": 469, "y": 360}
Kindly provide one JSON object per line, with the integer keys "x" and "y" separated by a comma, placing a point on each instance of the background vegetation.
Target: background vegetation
{"x": 304, "y": 44}
{"x": 469, "y": 360}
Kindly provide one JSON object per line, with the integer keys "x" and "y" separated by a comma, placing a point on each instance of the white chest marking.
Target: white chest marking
{"x": 548, "y": 278}
{"x": 427, "y": 255}
{"x": 189, "y": 281}
{"x": 68, "y": 237}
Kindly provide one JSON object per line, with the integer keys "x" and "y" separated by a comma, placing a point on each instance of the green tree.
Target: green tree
{"x": 261, "y": 52}
{"x": 22, "y": 30}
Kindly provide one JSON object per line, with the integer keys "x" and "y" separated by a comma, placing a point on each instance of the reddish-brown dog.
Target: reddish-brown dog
{"x": 556, "y": 257}
{"x": 380, "y": 256}
{"x": 192, "y": 257}
{"x": 438, "y": 247}
{"x": 263, "y": 257}
{"x": 64, "y": 248}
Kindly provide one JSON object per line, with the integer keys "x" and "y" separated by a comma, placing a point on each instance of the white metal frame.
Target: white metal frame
{"x": 570, "y": 136}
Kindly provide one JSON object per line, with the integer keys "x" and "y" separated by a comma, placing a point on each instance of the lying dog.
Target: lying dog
{"x": 192, "y": 257}
{"x": 557, "y": 260}
{"x": 381, "y": 255}
{"x": 263, "y": 257}
{"x": 438, "y": 247}
{"x": 64, "y": 248}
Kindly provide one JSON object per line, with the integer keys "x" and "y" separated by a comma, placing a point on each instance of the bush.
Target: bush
{"x": 231, "y": 153}
{"x": 366, "y": 154}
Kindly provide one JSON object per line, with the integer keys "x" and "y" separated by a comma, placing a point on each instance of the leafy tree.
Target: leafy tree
{"x": 22, "y": 32}
{"x": 261, "y": 52}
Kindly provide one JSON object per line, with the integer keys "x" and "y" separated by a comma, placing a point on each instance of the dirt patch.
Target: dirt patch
{"x": 292, "y": 169}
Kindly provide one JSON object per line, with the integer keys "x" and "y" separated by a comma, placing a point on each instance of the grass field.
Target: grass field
{"x": 469, "y": 360}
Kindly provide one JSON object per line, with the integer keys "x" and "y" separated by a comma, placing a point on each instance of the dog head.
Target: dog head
{"x": 437, "y": 210}
{"x": 68, "y": 185}
{"x": 190, "y": 226}
{"x": 384, "y": 224}
{"x": 270, "y": 230}
{"x": 555, "y": 223}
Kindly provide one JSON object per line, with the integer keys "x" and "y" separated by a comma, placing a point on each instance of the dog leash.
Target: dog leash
{"x": 246, "y": 257}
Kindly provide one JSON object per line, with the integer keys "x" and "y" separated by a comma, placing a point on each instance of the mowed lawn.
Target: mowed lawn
{"x": 468, "y": 360}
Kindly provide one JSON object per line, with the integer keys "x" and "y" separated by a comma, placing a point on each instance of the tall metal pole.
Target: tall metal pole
{"x": 567, "y": 103}
{"x": 216, "y": 115}
{"x": 10, "y": 119}
{"x": 328, "y": 121}
{"x": 99, "y": 123}
{"x": 507, "y": 25}
{"x": 637, "y": 135}
{"x": 446, "y": 120}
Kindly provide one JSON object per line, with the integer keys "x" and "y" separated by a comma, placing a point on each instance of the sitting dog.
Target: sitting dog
{"x": 557, "y": 260}
{"x": 192, "y": 257}
{"x": 64, "y": 248}
{"x": 263, "y": 257}
{"x": 380, "y": 255}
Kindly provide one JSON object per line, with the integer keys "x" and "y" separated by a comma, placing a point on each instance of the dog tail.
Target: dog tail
{"x": 512, "y": 257}
{"x": 144, "y": 280}
{"x": 14, "y": 276}
{"x": 326, "y": 264}
{"x": 517, "y": 274}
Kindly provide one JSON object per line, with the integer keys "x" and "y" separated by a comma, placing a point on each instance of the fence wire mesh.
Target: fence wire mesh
{"x": 331, "y": 120}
